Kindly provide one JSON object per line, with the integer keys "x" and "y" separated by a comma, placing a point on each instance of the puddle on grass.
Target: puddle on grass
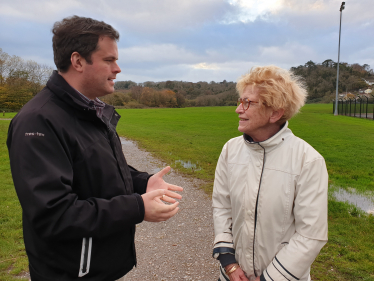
{"x": 188, "y": 165}
{"x": 155, "y": 171}
{"x": 360, "y": 201}
{"x": 126, "y": 142}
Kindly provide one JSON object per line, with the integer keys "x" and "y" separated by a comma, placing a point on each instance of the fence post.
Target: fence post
{"x": 373, "y": 106}
{"x": 360, "y": 104}
{"x": 345, "y": 107}
{"x": 367, "y": 103}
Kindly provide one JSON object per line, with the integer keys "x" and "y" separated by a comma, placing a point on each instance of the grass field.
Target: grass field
{"x": 7, "y": 115}
{"x": 197, "y": 135}
{"x": 13, "y": 259}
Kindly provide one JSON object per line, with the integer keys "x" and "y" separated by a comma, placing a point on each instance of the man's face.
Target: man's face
{"x": 255, "y": 120}
{"x": 98, "y": 77}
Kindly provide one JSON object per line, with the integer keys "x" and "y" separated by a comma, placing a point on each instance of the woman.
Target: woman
{"x": 270, "y": 187}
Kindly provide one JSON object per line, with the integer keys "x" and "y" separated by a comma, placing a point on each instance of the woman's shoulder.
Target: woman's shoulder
{"x": 234, "y": 142}
{"x": 301, "y": 146}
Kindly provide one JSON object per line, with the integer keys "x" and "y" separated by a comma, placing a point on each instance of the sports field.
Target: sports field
{"x": 196, "y": 135}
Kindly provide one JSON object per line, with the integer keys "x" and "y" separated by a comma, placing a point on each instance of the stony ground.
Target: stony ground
{"x": 180, "y": 248}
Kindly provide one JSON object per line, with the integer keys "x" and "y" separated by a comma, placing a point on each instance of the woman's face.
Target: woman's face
{"x": 255, "y": 121}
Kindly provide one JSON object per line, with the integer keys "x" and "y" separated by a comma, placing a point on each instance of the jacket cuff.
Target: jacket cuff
{"x": 223, "y": 237}
{"x": 141, "y": 208}
{"x": 276, "y": 271}
{"x": 226, "y": 259}
{"x": 262, "y": 277}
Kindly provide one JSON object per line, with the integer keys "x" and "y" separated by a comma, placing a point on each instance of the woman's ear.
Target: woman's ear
{"x": 276, "y": 115}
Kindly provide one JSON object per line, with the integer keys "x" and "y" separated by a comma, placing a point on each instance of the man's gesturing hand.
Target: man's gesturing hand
{"x": 157, "y": 182}
{"x": 155, "y": 209}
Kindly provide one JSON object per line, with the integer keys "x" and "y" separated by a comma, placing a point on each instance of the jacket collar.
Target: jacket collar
{"x": 58, "y": 85}
{"x": 271, "y": 143}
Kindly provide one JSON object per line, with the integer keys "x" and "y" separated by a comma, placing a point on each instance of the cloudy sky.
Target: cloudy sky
{"x": 200, "y": 40}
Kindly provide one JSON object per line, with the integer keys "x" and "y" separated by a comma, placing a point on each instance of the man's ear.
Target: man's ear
{"x": 276, "y": 115}
{"x": 77, "y": 61}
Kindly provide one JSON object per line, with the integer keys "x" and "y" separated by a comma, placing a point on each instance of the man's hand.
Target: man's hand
{"x": 157, "y": 182}
{"x": 238, "y": 275}
{"x": 155, "y": 209}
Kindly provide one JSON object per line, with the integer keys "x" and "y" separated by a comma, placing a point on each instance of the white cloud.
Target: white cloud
{"x": 159, "y": 53}
{"x": 249, "y": 10}
{"x": 204, "y": 65}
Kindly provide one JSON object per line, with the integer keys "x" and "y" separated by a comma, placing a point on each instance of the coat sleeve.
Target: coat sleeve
{"x": 310, "y": 211}
{"x": 140, "y": 180}
{"x": 222, "y": 218}
{"x": 42, "y": 170}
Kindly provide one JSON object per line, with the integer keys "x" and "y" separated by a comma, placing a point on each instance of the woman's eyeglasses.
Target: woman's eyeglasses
{"x": 245, "y": 102}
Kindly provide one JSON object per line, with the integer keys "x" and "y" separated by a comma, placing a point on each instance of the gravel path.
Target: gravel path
{"x": 180, "y": 248}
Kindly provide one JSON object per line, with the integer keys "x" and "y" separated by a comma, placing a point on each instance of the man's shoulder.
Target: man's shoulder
{"x": 44, "y": 107}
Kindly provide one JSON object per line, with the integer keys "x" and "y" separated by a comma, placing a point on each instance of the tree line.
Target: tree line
{"x": 20, "y": 80}
{"x": 321, "y": 78}
{"x": 172, "y": 94}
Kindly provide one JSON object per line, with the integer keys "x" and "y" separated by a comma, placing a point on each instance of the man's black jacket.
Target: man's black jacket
{"x": 80, "y": 199}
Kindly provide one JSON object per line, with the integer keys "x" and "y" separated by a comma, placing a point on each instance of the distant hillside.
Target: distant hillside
{"x": 321, "y": 78}
{"x": 173, "y": 94}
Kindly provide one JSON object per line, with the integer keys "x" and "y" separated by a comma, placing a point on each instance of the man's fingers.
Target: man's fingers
{"x": 164, "y": 171}
{"x": 172, "y": 194}
{"x": 175, "y": 187}
{"x": 168, "y": 208}
{"x": 160, "y": 192}
{"x": 167, "y": 199}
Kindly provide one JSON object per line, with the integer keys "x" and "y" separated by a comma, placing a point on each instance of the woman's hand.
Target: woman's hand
{"x": 237, "y": 275}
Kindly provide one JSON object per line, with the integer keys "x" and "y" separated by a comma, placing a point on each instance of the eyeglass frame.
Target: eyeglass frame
{"x": 240, "y": 101}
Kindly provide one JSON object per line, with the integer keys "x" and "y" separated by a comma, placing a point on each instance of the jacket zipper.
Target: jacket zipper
{"x": 258, "y": 195}
{"x": 84, "y": 267}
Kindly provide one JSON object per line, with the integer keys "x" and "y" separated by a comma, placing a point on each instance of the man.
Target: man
{"x": 80, "y": 199}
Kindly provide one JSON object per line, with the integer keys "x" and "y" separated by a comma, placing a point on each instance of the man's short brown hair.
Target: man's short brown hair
{"x": 78, "y": 34}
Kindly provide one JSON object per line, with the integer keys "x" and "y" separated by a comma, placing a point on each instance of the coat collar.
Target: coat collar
{"x": 58, "y": 85}
{"x": 271, "y": 143}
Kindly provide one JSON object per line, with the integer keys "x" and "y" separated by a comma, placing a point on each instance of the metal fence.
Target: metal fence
{"x": 362, "y": 107}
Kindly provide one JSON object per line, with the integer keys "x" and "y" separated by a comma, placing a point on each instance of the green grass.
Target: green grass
{"x": 191, "y": 134}
{"x": 7, "y": 115}
{"x": 349, "y": 253}
{"x": 345, "y": 143}
{"x": 197, "y": 135}
{"x": 13, "y": 260}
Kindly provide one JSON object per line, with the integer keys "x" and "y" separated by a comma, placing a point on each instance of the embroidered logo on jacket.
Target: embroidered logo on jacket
{"x": 34, "y": 134}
